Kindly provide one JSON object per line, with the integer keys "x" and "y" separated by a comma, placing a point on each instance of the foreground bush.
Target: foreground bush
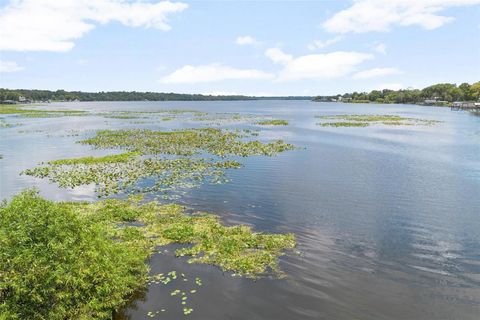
{"x": 58, "y": 264}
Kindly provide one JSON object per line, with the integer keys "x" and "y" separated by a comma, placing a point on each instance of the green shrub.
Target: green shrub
{"x": 58, "y": 264}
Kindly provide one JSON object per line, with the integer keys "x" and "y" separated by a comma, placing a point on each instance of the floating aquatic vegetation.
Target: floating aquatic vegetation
{"x": 224, "y": 118}
{"x": 124, "y": 173}
{"x": 366, "y": 117}
{"x": 186, "y": 142}
{"x": 6, "y": 125}
{"x": 167, "y": 114}
{"x": 130, "y": 172}
{"x": 344, "y": 124}
{"x": 276, "y": 122}
{"x": 235, "y": 248}
{"x": 116, "y": 158}
{"x": 365, "y": 120}
{"x": 162, "y": 279}
{"x": 32, "y": 131}
{"x": 88, "y": 258}
{"x": 121, "y": 116}
{"x": 24, "y": 111}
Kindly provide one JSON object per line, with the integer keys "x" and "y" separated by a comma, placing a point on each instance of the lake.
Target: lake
{"x": 387, "y": 218}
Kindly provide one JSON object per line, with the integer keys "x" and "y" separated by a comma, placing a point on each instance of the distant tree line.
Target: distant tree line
{"x": 62, "y": 95}
{"x": 442, "y": 92}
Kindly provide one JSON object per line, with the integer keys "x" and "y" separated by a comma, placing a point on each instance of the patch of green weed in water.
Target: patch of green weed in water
{"x": 344, "y": 124}
{"x": 28, "y": 112}
{"x": 122, "y": 173}
{"x": 364, "y": 120}
{"x": 186, "y": 142}
{"x": 119, "y": 158}
{"x": 225, "y": 118}
{"x": 273, "y": 123}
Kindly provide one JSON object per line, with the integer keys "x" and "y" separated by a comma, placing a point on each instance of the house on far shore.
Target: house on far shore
{"x": 435, "y": 102}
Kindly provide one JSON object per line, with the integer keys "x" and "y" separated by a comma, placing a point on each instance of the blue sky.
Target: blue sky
{"x": 238, "y": 47}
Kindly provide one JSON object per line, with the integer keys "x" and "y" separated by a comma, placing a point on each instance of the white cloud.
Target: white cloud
{"x": 212, "y": 73}
{"x": 380, "y": 15}
{"x": 246, "y": 40}
{"x": 319, "y": 44}
{"x": 381, "y": 48}
{"x": 316, "y": 66}
{"x": 9, "y": 66}
{"x": 53, "y": 25}
{"x": 278, "y": 56}
{"x": 375, "y": 72}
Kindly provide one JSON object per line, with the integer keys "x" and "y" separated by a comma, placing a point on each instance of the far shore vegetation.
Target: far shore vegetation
{"x": 19, "y": 95}
{"x": 442, "y": 94}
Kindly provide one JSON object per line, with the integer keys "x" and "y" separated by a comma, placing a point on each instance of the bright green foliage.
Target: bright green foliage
{"x": 79, "y": 260}
{"x": 57, "y": 264}
{"x": 116, "y": 158}
{"x": 236, "y": 248}
{"x": 185, "y": 142}
{"x": 273, "y": 123}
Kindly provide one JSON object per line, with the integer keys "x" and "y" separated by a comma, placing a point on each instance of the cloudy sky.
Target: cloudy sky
{"x": 238, "y": 47}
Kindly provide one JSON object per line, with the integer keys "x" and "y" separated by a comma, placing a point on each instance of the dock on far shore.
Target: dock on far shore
{"x": 465, "y": 105}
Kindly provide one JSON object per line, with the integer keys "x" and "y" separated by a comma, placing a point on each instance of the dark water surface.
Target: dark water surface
{"x": 387, "y": 219}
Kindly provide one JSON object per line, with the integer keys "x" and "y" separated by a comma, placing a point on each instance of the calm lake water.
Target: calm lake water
{"x": 387, "y": 219}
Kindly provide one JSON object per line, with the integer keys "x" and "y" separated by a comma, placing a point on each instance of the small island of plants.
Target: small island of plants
{"x": 365, "y": 120}
{"x": 273, "y": 123}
